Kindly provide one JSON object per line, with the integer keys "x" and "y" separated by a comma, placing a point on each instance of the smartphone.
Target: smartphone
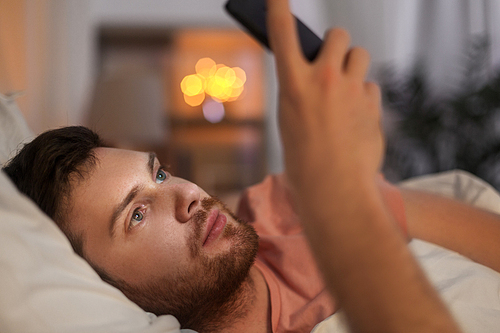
{"x": 252, "y": 15}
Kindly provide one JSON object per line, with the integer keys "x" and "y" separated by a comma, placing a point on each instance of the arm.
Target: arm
{"x": 329, "y": 120}
{"x": 470, "y": 231}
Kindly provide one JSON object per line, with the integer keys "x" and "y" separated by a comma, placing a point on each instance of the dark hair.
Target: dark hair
{"x": 46, "y": 168}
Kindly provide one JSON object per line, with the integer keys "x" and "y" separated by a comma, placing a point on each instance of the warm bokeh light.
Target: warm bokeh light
{"x": 240, "y": 75}
{"x": 204, "y": 66}
{"x": 222, "y": 83}
{"x": 192, "y": 85}
{"x": 194, "y": 100}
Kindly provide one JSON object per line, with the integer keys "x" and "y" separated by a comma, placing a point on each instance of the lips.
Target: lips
{"x": 216, "y": 222}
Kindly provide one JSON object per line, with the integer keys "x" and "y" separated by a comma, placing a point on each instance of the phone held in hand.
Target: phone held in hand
{"x": 252, "y": 15}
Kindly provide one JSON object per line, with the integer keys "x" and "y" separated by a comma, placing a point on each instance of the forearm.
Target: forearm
{"x": 368, "y": 267}
{"x": 333, "y": 146}
{"x": 470, "y": 231}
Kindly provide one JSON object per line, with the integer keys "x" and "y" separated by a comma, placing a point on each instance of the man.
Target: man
{"x": 171, "y": 248}
{"x": 168, "y": 245}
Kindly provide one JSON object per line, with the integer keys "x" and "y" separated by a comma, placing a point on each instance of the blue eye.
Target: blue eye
{"x": 137, "y": 218}
{"x": 161, "y": 176}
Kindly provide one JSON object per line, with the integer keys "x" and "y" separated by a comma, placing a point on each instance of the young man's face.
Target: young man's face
{"x": 152, "y": 230}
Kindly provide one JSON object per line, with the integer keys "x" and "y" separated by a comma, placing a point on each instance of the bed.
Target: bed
{"x": 471, "y": 290}
{"x": 45, "y": 287}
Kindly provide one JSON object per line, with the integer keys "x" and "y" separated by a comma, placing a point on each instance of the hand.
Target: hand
{"x": 330, "y": 126}
{"x": 329, "y": 116}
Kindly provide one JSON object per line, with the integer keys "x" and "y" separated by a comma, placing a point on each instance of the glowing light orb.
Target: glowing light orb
{"x": 192, "y": 85}
{"x": 204, "y": 67}
{"x": 222, "y": 83}
{"x": 194, "y": 100}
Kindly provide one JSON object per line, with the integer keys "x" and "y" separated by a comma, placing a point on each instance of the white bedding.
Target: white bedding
{"x": 45, "y": 287}
{"x": 13, "y": 128}
{"x": 471, "y": 291}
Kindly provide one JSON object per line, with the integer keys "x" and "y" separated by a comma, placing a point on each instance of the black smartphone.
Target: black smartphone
{"x": 252, "y": 15}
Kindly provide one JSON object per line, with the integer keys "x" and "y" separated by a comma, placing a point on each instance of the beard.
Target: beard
{"x": 215, "y": 290}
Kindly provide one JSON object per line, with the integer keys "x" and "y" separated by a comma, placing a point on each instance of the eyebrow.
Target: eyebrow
{"x": 130, "y": 196}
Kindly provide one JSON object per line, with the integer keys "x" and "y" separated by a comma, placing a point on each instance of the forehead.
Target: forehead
{"x": 112, "y": 162}
{"x": 116, "y": 171}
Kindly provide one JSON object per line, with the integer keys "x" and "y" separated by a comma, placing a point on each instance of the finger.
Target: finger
{"x": 283, "y": 36}
{"x": 373, "y": 90}
{"x": 357, "y": 62}
{"x": 335, "y": 47}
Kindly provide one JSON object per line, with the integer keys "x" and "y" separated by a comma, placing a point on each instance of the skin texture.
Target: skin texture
{"x": 329, "y": 119}
{"x": 467, "y": 230}
{"x": 160, "y": 252}
{"x": 329, "y": 116}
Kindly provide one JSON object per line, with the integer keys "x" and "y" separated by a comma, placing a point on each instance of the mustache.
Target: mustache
{"x": 200, "y": 220}
{"x": 200, "y": 217}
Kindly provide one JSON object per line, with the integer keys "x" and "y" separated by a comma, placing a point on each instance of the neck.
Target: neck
{"x": 256, "y": 314}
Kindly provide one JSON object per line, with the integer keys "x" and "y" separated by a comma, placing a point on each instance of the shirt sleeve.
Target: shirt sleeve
{"x": 269, "y": 208}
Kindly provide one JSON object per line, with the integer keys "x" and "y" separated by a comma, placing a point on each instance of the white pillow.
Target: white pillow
{"x": 44, "y": 285}
{"x": 13, "y": 128}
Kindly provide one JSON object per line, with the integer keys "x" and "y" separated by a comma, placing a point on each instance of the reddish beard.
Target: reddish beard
{"x": 212, "y": 292}
{"x": 200, "y": 221}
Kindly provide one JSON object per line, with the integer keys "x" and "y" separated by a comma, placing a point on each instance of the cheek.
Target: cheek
{"x": 168, "y": 248}
{"x": 153, "y": 253}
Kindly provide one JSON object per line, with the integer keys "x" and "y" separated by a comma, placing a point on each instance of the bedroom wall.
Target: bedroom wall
{"x": 12, "y": 49}
{"x": 61, "y": 42}
{"x": 62, "y": 50}
{"x": 437, "y": 32}
{"x": 387, "y": 28}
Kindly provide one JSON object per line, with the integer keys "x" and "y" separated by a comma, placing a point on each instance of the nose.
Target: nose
{"x": 187, "y": 201}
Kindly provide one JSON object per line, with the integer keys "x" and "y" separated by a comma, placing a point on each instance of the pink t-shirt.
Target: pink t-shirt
{"x": 299, "y": 299}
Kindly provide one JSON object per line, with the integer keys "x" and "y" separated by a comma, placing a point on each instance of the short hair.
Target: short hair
{"x": 46, "y": 168}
